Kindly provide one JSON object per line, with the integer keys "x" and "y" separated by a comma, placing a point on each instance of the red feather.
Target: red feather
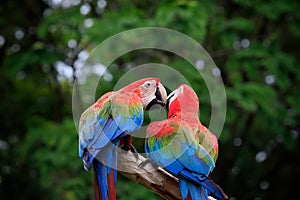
{"x": 97, "y": 188}
{"x": 125, "y": 142}
{"x": 133, "y": 86}
{"x": 189, "y": 196}
{"x": 111, "y": 186}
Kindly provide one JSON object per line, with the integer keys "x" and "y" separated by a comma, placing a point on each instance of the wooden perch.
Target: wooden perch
{"x": 158, "y": 180}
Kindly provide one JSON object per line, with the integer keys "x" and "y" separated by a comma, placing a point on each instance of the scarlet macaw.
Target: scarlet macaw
{"x": 112, "y": 118}
{"x": 184, "y": 147}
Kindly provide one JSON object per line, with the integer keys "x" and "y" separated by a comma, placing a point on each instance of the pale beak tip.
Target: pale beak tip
{"x": 163, "y": 92}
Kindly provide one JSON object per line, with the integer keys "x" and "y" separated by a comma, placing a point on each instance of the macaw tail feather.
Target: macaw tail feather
{"x": 97, "y": 187}
{"x": 192, "y": 191}
{"x": 105, "y": 165}
{"x": 204, "y": 181}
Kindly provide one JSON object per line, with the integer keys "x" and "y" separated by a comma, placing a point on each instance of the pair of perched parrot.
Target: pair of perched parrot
{"x": 180, "y": 144}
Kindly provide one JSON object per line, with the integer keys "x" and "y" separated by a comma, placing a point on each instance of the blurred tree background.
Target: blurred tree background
{"x": 255, "y": 45}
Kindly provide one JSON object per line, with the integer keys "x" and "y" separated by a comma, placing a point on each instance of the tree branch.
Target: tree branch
{"x": 156, "y": 179}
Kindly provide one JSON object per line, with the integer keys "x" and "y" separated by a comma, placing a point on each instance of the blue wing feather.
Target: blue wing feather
{"x": 96, "y": 131}
{"x": 188, "y": 157}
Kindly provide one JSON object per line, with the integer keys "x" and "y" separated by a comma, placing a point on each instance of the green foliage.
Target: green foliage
{"x": 48, "y": 150}
{"x": 253, "y": 43}
{"x": 125, "y": 191}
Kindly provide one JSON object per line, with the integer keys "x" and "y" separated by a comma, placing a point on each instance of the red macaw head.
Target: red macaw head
{"x": 182, "y": 100}
{"x": 150, "y": 90}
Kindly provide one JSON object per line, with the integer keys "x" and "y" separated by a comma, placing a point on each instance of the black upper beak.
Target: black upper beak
{"x": 158, "y": 100}
{"x": 169, "y": 97}
{"x": 168, "y": 101}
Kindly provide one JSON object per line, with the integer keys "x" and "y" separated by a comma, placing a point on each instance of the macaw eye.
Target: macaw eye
{"x": 147, "y": 84}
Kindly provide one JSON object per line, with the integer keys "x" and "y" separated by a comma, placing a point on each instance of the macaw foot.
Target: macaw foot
{"x": 147, "y": 161}
{"x": 132, "y": 149}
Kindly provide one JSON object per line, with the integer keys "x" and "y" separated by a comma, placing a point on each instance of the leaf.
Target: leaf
{"x": 241, "y": 24}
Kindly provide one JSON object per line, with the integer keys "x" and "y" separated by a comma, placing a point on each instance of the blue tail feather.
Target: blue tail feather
{"x": 101, "y": 174}
{"x": 104, "y": 163}
{"x": 206, "y": 182}
{"x": 183, "y": 188}
{"x": 196, "y": 191}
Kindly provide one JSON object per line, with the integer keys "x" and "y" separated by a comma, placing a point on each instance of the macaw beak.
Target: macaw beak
{"x": 160, "y": 97}
{"x": 171, "y": 94}
{"x": 169, "y": 97}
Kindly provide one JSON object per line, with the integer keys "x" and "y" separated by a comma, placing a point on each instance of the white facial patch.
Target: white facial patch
{"x": 148, "y": 92}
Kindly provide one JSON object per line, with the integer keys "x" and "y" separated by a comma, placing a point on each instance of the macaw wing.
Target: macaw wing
{"x": 193, "y": 156}
{"x": 88, "y": 124}
{"x": 208, "y": 140}
{"x": 127, "y": 112}
{"x": 174, "y": 146}
{"x": 198, "y": 164}
{"x": 116, "y": 117}
{"x": 157, "y": 148}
